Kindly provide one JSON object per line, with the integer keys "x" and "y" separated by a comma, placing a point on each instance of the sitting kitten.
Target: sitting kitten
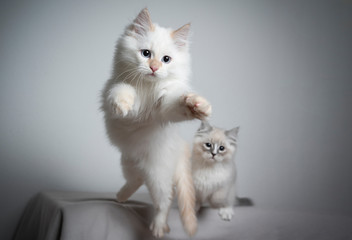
{"x": 147, "y": 93}
{"x": 213, "y": 168}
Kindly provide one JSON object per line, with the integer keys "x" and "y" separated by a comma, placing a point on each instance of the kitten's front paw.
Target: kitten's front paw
{"x": 122, "y": 104}
{"x": 197, "y": 106}
{"x": 226, "y": 213}
{"x": 159, "y": 229}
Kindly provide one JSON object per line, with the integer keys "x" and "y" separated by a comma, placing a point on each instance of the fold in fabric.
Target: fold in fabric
{"x": 97, "y": 216}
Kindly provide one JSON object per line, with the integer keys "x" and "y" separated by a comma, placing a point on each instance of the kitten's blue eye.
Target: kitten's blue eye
{"x": 221, "y": 148}
{"x": 207, "y": 145}
{"x": 146, "y": 53}
{"x": 166, "y": 59}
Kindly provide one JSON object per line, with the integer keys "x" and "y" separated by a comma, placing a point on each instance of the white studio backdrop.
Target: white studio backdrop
{"x": 279, "y": 69}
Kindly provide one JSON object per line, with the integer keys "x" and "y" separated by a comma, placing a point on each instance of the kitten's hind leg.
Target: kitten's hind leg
{"x": 133, "y": 180}
{"x": 127, "y": 190}
{"x": 200, "y": 200}
{"x": 198, "y": 206}
{"x": 161, "y": 193}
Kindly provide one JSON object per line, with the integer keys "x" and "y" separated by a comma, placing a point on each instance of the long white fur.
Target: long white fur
{"x": 140, "y": 115}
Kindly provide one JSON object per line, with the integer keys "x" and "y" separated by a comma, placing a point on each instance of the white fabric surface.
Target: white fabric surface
{"x": 96, "y": 216}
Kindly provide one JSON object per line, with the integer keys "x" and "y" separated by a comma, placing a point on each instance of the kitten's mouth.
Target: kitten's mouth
{"x": 155, "y": 76}
{"x": 214, "y": 160}
{"x": 152, "y": 75}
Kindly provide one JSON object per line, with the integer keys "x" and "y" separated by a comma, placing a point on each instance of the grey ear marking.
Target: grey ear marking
{"x": 232, "y": 134}
{"x": 204, "y": 127}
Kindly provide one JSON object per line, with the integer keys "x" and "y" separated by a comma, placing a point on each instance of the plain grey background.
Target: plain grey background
{"x": 282, "y": 70}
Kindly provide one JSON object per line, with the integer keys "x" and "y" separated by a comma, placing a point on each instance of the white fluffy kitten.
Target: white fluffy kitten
{"x": 213, "y": 168}
{"x": 147, "y": 93}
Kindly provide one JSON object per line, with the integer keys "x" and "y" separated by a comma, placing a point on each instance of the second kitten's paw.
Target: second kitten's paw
{"x": 226, "y": 213}
{"x": 197, "y": 106}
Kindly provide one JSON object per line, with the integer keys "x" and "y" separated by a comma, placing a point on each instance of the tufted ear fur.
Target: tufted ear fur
{"x": 232, "y": 134}
{"x": 180, "y": 35}
{"x": 205, "y": 127}
{"x": 143, "y": 23}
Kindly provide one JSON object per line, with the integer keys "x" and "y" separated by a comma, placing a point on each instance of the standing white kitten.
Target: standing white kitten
{"x": 213, "y": 168}
{"x": 147, "y": 93}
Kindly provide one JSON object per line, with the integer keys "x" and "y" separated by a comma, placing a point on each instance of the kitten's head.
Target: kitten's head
{"x": 213, "y": 144}
{"x": 152, "y": 52}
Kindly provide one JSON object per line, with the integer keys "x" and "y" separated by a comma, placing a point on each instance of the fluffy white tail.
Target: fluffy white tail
{"x": 186, "y": 193}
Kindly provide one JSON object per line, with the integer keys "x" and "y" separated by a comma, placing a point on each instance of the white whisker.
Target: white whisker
{"x": 124, "y": 72}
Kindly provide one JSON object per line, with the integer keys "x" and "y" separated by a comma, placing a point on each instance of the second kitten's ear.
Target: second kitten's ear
{"x": 180, "y": 35}
{"x": 232, "y": 134}
{"x": 143, "y": 23}
{"x": 204, "y": 127}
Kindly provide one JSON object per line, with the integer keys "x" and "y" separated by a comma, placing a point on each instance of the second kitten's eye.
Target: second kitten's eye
{"x": 166, "y": 59}
{"x": 222, "y": 148}
{"x": 146, "y": 53}
{"x": 207, "y": 145}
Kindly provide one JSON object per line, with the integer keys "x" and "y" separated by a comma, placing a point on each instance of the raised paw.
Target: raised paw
{"x": 197, "y": 106}
{"x": 122, "y": 104}
{"x": 159, "y": 229}
{"x": 226, "y": 213}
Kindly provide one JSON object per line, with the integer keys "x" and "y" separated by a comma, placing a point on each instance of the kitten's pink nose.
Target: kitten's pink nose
{"x": 154, "y": 68}
{"x": 154, "y": 65}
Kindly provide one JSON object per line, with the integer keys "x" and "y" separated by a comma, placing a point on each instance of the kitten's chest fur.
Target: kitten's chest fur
{"x": 209, "y": 178}
{"x": 150, "y": 99}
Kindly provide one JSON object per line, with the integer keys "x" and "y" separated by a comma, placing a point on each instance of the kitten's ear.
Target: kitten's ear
{"x": 180, "y": 35}
{"x": 204, "y": 127}
{"x": 232, "y": 134}
{"x": 143, "y": 23}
